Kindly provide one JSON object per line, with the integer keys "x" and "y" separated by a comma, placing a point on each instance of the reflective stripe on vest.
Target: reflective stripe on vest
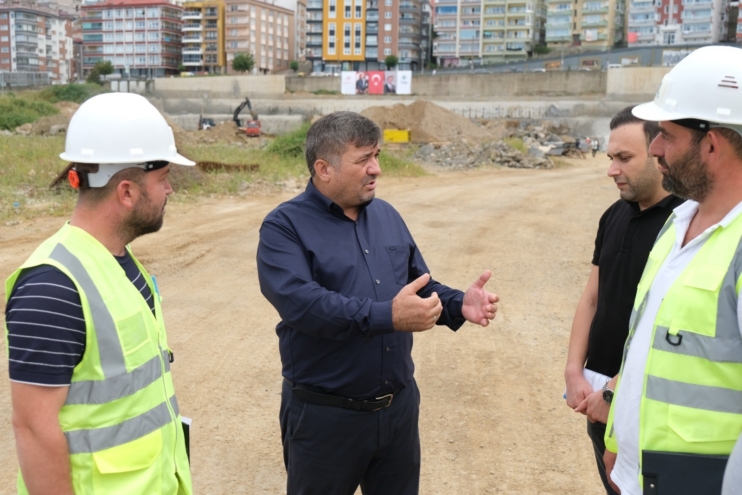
{"x": 95, "y": 440}
{"x": 109, "y": 346}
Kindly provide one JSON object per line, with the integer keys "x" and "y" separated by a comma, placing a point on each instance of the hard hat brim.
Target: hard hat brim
{"x": 176, "y": 159}
{"x": 654, "y": 113}
{"x": 181, "y": 160}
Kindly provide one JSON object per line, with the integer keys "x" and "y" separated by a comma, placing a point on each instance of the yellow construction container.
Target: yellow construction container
{"x": 396, "y": 136}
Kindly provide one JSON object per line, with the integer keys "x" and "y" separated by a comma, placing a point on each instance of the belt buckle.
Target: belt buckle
{"x": 390, "y": 396}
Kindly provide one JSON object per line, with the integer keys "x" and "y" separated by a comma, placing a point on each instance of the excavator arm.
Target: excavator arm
{"x": 238, "y": 110}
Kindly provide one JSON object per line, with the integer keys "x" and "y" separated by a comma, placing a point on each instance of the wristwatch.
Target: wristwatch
{"x": 607, "y": 394}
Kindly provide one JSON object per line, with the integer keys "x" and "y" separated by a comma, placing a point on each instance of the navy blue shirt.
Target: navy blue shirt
{"x": 332, "y": 281}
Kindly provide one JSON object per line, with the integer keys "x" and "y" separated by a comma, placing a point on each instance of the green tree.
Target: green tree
{"x": 541, "y": 49}
{"x": 182, "y": 68}
{"x": 391, "y": 61}
{"x": 243, "y": 62}
{"x": 294, "y": 65}
{"x": 101, "y": 68}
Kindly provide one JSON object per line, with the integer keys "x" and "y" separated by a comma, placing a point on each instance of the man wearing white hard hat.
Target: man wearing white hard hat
{"x": 677, "y": 411}
{"x": 94, "y": 410}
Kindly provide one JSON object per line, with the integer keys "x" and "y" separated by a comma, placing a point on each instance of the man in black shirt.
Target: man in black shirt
{"x": 626, "y": 234}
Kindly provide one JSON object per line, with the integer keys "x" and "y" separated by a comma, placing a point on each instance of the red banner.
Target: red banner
{"x": 375, "y": 82}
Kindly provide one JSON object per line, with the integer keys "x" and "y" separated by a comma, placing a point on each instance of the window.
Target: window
{"x": 141, "y": 24}
{"x": 387, "y": 39}
{"x": 333, "y": 8}
{"x": 4, "y": 38}
{"x": 388, "y": 3}
{"x": 387, "y": 27}
{"x": 5, "y": 49}
{"x": 3, "y": 16}
{"x": 4, "y": 27}
{"x": 331, "y": 38}
{"x": 6, "y": 60}
{"x": 387, "y": 51}
{"x": 359, "y": 9}
{"x": 387, "y": 15}
{"x": 357, "y": 40}
{"x": 153, "y": 36}
{"x": 153, "y": 24}
{"x": 346, "y": 38}
{"x": 139, "y": 36}
{"x": 141, "y": 48}
{"x": 347, "y": 11}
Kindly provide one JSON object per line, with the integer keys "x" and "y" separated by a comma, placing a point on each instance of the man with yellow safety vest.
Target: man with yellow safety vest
{"x": 94, "y": 410}
{"x": 677, "y": 410}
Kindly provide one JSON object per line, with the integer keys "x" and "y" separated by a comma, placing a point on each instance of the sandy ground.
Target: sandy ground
{"x": 492, "y": 416}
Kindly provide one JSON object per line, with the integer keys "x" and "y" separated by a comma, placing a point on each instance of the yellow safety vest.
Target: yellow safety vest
{"x": 121, "y": 417}
{"x": 692, "y": 394}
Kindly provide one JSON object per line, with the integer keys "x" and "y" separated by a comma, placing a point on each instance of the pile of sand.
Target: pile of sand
{"x": 427, "y": 122}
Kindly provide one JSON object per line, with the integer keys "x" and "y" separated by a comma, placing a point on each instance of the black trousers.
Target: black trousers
{"x": 596, "y": 432}
{"x": 331, "y": 451}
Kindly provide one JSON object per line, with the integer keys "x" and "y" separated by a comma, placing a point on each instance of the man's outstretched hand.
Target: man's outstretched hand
{"x": 479, "y": 305}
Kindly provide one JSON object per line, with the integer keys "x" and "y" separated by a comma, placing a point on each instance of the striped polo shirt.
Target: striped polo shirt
{"x": 46, "y": 325}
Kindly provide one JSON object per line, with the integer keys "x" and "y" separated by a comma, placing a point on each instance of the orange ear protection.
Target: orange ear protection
{"x": 74, "y": 179}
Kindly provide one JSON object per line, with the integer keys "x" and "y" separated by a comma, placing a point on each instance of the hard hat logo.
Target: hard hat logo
{"x": 703, "y": 86}
{"x": 117, "y": 131}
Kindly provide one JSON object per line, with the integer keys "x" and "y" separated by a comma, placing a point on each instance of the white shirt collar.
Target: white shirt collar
{"x": 685, "y": 213}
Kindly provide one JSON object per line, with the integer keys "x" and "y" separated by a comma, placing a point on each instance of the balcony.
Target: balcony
{"x": 194, "y": 15}
{"x": 690, "y": 16}
{"x": 408, "y": 7}
{"x": 645, "y": 36}
{"x": 696, "y": 34}
{"x": 558, "y": 38}
{"x": 193, "y": 39}
{"x": 642, "y": 22}
{"x": 591, "y": 23}
{"x": 192, "y": 27}
{"x": 638, "y": 7}
{"x": 192, "y": 50}
{"x": 407, "y": 19}
{"x": 698, "y": 4}
{"x": 603, "y": 10}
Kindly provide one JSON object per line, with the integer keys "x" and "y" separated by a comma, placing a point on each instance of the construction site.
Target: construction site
{"x": 514, "y": 191}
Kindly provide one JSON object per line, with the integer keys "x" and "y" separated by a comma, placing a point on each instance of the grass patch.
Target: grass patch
{"x": 77, "y": 93}
{"x": 16, "y": 111}
{"x": 325, "y": 92}
{"x": 516, "y": 143}
{"x": 290, "y": 145}
{"x": 31, "y": 163}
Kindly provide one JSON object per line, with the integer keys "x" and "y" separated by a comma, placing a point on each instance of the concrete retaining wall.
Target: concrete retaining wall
{"x": 206, "y": 87}
{"x": 566, "y": 83}
{"x": 635, "y": 81}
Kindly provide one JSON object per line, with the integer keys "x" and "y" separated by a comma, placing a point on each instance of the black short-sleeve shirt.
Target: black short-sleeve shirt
{"x": 625, "y": 237}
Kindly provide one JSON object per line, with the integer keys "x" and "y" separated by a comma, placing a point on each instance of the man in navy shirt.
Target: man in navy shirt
{"x": 350, "y": 286}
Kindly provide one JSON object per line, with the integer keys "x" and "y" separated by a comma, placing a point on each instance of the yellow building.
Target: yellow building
{"x": 344, "y": 32}
{"x": 203, "y": 36}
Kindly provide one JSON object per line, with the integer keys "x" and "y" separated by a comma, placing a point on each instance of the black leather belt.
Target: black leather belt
{"x": 316, "y": 395}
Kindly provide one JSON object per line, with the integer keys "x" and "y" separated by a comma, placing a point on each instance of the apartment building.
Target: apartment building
{"x": 300, "y": 31}
{"x": 203, "y": 36}
{"x": 588, "y": 24}
{"x": 360, "y": 34}
{"x": 487, "y": 31}
{"x": 262, "y": 29}
{"x": 141, "y": 38}
{"x": 678, "y": 22}
{"x": 739, "y": 26}
{"x": 36, "y": 39}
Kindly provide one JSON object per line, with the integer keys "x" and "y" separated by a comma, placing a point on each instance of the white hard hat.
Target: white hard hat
{"x": 704, "y": 86}
{"x": 117, "y": 131}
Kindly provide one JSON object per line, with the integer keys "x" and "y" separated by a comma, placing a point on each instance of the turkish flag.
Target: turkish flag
{"x": 632, "y": 37}
{"x": 375, "y": 82}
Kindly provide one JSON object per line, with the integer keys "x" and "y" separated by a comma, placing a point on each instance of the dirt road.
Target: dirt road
{"x": 493, "y": 419}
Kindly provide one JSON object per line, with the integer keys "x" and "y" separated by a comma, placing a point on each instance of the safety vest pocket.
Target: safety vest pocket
{"x": 709, "y": 278}
{"x": 133, "y": 334}
{"x": 689, "y": 428}
{"x": 133, "y": 467}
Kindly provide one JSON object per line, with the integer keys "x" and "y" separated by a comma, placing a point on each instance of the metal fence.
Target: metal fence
{"x": 24, "y": 79}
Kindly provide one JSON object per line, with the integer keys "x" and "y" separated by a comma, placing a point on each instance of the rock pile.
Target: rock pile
{"x": 463, "y": 155}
